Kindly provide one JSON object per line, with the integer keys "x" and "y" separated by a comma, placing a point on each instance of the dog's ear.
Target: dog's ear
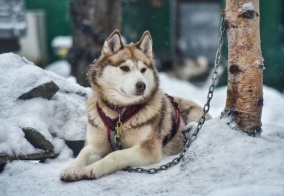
{"x": 113, "y": 43}
{"x": 145, "y": 44}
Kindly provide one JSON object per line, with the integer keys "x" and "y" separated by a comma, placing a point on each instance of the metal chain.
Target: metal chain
{"x": 188, "y": 141}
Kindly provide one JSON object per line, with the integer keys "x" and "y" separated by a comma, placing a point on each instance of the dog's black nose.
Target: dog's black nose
{"x": 140, "y": 87}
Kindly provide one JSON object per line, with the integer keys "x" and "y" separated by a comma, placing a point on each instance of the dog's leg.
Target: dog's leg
{"x": 117, "y": 160}
{"x": 95, "y": 148}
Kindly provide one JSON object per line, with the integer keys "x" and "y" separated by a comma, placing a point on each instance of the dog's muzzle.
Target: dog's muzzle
{"x": 140, "y": 88}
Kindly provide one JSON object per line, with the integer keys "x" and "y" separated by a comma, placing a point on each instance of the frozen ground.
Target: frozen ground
{"x": 221, "y": 161}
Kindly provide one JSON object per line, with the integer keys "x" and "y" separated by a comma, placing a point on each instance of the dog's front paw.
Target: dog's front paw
{"x": 70, "y": 174}
{"x": 88, "y": 172}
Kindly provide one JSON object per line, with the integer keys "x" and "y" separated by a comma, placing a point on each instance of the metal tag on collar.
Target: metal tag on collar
{"x": 117, "y": 130}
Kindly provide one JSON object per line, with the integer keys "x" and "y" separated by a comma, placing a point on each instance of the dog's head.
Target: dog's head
{"x": 125, "y": 74}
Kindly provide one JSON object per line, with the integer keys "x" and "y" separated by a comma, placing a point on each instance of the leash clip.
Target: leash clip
{"x": 117, "y": 130}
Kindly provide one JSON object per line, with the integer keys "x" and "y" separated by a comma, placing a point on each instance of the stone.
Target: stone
{"x": 2, "y": 166}
{"x": 3, "y": 154}
{"x": 3, "y": 159}
{"x": 46, "y": 91}
{"x": 75, "y": 145}
{"x": 37, "y": 139}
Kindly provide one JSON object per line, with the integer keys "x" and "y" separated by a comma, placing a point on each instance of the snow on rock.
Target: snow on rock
{"x": 63, "y": 116}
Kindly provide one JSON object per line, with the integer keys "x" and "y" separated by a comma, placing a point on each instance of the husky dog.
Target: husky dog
{"x": 131, "y": 122}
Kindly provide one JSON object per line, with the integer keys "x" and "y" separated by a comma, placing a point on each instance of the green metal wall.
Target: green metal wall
{"x": 139, "y": 16}
{"x": 57, "y": 19}
{"x": 272, "y": 42}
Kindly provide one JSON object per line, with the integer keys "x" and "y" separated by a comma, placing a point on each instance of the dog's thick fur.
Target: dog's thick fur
{"x": 114, "y": 78}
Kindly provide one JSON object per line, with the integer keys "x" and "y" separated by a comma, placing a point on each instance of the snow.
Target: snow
{"x": 61, "y": 67}
{"x": 247, "y": 7}
{"x": 221, "y": 161}
{"x": 62, "y": 41}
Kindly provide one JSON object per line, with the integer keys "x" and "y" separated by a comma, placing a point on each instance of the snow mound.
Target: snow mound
{"x": 63, "y": 116}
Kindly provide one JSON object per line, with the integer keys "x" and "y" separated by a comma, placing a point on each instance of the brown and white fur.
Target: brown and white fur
{"x": 116, "y": 78}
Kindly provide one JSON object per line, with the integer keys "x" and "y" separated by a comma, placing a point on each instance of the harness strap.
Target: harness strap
{"x": 176, "y": 121}
{"x": 110, "y": 124}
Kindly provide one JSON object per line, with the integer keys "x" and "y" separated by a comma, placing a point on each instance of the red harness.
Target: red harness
{"x": 176, "y": 121}
{"x": 131, "y": 111}
{"x": 110, "y": 124}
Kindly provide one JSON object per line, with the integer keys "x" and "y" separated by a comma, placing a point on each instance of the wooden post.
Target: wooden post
{"x": 245, "y": 65}
{"x": 93, "y": 21}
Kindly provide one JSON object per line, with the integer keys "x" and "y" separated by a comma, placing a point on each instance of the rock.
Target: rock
{"x": 46, "y": 90}
{"x": 2, "y": 165}
{"x": 75, "y": 145}
{"x": 3, "y": 159}
{"x": 3, "y": 154}
{"x": 37, "y": 139}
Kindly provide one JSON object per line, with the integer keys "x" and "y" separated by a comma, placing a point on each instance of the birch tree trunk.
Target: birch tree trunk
{"x": 245, "y": 65}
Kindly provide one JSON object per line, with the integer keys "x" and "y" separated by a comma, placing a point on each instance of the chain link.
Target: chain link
{"x": 189, "y": 140}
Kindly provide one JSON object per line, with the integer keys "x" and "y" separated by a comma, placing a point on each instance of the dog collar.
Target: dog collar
{"x": 116, "y": 108}
{"x": 111, "y": 124}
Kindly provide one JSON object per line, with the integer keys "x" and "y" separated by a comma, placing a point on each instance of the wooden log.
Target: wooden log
{"x": 34, "y": 156}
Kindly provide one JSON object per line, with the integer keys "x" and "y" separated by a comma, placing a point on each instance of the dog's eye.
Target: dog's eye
{"x": 124, "y": 68}
{"x": 143, "y": 70}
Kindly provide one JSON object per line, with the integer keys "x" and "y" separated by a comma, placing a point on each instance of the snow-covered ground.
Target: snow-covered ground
{"x": 221, "y": 161}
